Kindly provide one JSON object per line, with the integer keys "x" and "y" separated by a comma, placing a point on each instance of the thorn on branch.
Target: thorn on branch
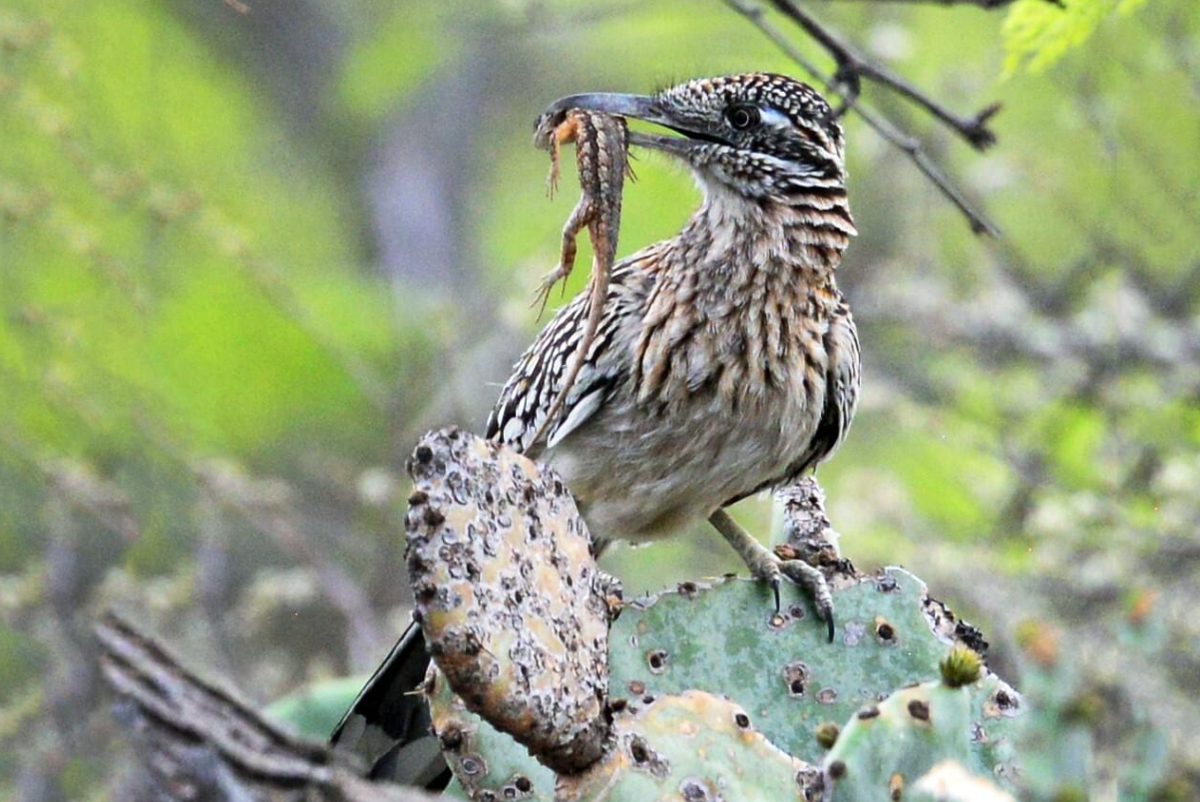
{"x": 978, "y": 134}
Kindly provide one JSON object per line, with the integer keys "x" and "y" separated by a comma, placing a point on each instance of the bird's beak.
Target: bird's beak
{"x": 637, "y": 107}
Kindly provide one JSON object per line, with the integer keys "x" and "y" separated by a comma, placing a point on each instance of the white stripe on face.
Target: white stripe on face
{"x": 774, "y": 117}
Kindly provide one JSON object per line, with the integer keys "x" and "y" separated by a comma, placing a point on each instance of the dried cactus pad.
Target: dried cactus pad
{"x": 512, "y": 605}
{"x": 694, "y": 747}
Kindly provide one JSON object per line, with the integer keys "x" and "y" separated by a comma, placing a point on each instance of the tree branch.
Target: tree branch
{"x": 848, "y": 85}
{"x": 200, "y": 742}
{"x": 908, "y": 143}
{"x": 807, "y": 533}
{"x": 853, "y": 66}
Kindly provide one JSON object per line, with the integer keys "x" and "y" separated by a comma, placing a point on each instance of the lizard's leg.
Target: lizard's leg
{"x": 566, "y": 260}
{"x": 765, "y": 566}
{"x": 602, "y": 250}
{"x": 601, "y": 157}
{"x": 552, "y": 140}
{"x": 595, "y": 313}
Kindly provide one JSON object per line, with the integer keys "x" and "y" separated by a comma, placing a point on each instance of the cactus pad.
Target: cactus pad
{"x": 694, "y": 747}
{"x": 724, "y": 639}
{"x": 889, "y": 745}
{"x": 512, "y": 605}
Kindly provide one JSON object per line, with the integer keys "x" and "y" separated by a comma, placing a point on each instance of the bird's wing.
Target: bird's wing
{"x": 841, "y": 390}
{"x": 538, "y": 375}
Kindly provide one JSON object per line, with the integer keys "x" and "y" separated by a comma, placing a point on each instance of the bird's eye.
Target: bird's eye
{"x": 742, "y": 117}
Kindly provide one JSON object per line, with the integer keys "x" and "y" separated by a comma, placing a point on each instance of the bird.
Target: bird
{"x": 726, "y": 361}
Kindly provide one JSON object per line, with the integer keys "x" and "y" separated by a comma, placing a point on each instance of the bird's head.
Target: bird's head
{"x": 762, "y": 136}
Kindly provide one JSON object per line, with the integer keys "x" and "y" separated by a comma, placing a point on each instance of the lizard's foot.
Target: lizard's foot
{"x": 542, "y": 295}
{"x": 768, "y": 567}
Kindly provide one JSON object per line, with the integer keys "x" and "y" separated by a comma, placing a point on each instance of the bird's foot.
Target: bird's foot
{"x": 769, "y": 567}
{"x": 813, "y": 581}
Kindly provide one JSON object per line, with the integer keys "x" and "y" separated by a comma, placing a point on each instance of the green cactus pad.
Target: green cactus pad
{"x": 725, "y": 640}
{"x": 887, "y": 746}
{"x": 950, "y": 782}
{"x": 694, "y": 747}
{"x": 487, "y": 764}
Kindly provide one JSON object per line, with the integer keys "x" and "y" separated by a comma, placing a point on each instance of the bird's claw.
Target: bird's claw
{"x": 767, "y": 566}
{"x": 806, "y": 576}
{"x": 769, "y": 570}
{"x": 813, "y": 581}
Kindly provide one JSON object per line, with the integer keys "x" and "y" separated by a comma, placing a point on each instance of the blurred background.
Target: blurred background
{"x": 249, "y": 253}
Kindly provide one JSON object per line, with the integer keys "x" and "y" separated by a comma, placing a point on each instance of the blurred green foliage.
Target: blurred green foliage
{"x": 212, "y": 366}
{"x": 1037, "y": 33}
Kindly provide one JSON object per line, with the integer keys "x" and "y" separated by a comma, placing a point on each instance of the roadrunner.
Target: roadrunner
{"x": 726, "y": 361}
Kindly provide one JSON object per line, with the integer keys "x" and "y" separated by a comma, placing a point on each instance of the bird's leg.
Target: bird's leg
{"x": 766, "y": 566}
{"x": 601, "y": 153}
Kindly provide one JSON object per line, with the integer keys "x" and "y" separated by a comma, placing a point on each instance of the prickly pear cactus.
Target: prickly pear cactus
{"x": 511, "y": 603}
{"x": 694, "y": 747}
{"x": 724, "y": 639}
{"x": 690, "y": 747}
{"x": 702, "y": 692}
{"x": 887, "y": 746}
{"x": 862, "y": 718}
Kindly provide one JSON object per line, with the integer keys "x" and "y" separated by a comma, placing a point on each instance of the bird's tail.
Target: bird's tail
{"x": 388, "y": 723}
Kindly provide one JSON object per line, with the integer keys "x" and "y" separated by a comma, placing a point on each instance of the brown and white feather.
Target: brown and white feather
{"x": 727, "y": 361}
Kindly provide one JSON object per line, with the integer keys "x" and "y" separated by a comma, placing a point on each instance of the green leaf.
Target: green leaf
{"x": 1037, "y": 33}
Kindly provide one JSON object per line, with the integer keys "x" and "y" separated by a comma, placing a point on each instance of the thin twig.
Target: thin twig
{"x": 888, "y": 130}
{"x": 852, "y": 67}
{"x": 912, "y": 146}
